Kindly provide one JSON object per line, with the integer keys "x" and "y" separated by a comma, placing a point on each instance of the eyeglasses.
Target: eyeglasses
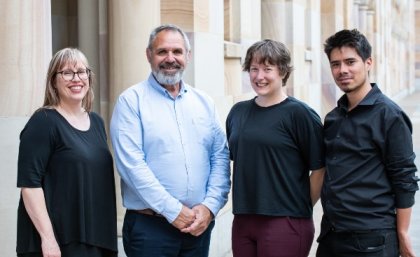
{"x": 68, "y": 75}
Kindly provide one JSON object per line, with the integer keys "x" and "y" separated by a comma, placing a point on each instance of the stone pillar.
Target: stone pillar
{"x": 203, "y": 23}
{"x": 88, "y": 29}
{"x": 24, "y": 55}
{"x": 363, "y": 9}
{"x": 298, "y": 27}
{"x": 242, "y": 29}
{"x": 103, "y": 70}
{"x": 130, "y": 23}
{"x": 355, "y": 12}
{"x": 25, "y": 51}
{"x": 332, "y": 20}
{"x": 370, "y": 35}
{"x": 417, "y": 43}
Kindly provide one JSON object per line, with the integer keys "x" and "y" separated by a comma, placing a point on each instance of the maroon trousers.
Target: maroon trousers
{"x": 268, "y": 236}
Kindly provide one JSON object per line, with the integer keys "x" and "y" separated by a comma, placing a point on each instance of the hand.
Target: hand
{"x": 406, "y": 250}
{"x": 203, "y": 218}
{"x": 50, "y": 248}
{"x": 185, "y": 218}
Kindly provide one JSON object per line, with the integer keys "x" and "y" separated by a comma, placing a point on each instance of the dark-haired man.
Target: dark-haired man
{"x": 370, "y": 181}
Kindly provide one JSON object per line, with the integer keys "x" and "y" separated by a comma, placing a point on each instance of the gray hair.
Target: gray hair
{"x": 170, "y": 27}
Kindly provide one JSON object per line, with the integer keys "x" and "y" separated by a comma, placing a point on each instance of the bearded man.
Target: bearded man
{"x": 172, "y": 156}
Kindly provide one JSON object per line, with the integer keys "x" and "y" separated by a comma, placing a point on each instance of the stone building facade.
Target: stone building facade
{"x": 114, "y": 33}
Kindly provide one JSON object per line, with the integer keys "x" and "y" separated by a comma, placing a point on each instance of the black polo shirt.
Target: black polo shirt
{"x": 370, "y": 168}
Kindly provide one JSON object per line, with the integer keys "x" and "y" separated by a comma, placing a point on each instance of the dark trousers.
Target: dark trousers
{"x": 374, "y": 243}
{"x": 266, "y": 236}
{"x": 147, "y": 236}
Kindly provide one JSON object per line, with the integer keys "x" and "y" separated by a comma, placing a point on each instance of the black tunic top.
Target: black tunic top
{"x": 75, "y": 170}
{"x": 273, "y": 150}
{"x": 370, "y": 167}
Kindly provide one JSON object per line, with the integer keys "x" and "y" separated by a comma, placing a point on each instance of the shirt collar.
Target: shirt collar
{"x": 158, "y": 87}
{"x": 369, "y": 99}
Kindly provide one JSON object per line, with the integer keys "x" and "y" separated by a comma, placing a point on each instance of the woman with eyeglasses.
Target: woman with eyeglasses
{"x": 65, "y": 170}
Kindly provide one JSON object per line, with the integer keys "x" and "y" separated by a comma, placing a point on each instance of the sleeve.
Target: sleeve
{"x": 219, "y": 180}
{"x": 309, "y": 137}
{"x": 228, "y": 126}
{"x": 126, "y": 136}
{"x": 36, "y": 146}
{"x": 399, "y": 160}
{"x": 95, "y": 117}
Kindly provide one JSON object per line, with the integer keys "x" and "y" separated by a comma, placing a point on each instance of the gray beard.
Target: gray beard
{"x": 167, "y": 80}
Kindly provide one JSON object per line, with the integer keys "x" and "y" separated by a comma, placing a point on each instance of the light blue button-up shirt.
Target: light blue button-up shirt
{"x": 169, "y": 151}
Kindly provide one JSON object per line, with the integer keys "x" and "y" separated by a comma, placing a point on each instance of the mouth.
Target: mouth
{"x": 170, "y": 66}
{"x": 344, "y": 80}
{"x": 76, "y": 88}
{"x": 260, "y": 85}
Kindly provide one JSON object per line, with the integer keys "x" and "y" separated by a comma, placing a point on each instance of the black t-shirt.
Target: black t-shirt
{"x": 273, "y": 150}
{"x": 75, "y": 170}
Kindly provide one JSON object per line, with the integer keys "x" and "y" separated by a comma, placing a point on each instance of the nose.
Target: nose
{"x": 259, "y": 75}
{"x": 170, "y": 57}
{"x": 76, "y": 77}
{"x": 344, "y": 68}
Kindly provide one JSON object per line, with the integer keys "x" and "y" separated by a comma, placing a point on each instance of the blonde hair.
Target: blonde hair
{"x": 60, "y": 59}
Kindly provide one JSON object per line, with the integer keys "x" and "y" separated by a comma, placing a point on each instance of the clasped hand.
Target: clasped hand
{"x": 194, "y": 221}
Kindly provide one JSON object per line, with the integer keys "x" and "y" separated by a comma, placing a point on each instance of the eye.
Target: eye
{"x": 161, "y": 52}
{"x": 68, "y": 73}
{"x": 178, "y": 52}
{"x": 334, "y": 65}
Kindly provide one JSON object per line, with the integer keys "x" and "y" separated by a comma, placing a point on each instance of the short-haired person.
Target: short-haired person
{"x": 65, "y": 170}
{"x": 275, "y": 141}
{"x": 370, "y": 179}
{"x": 172, "y": 155}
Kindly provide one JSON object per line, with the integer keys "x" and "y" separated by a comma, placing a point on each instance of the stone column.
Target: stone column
{"x": 298, "y": 27}
{"x": 242, "y": 29}
{"x": 25, "y": 51}
{"x": 130, "y": 23}
{"x": 332, "y": 20}
{"x": 203, "y": 23}
{"x": 363, "y": 9}
{"x": 88, "y": 29}
{"x": 370, "y": 35}
{"x": 355, "y": 12}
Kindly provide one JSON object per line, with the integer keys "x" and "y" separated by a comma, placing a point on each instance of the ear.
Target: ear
{"x": 369, "y": 63}
{"x": 189, "y": 54}
{"x": 149, "y": 54}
